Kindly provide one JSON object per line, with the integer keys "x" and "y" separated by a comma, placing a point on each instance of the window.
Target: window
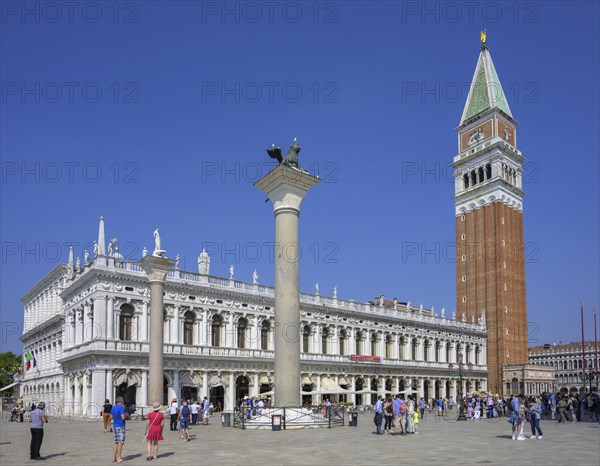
{"x": 343, "y": 336}
{"x": 126, "y": 322}
{"x": 373, "y": 345}
{"x": 188, "y": 328}
{"x": 462, "y": 218}
{"x": 426, "y": 350}
{"x": 359, "y": 343}
{"x": 415, "y": 344}
{"x": 241, "y": 332}
{"x": 264, "y": 335}
{"x": 215, "y": 336}
{"x": 462, "y": 236}
{"x": 477, "y": 351}
{"x": 464, "y": 278}
{"x": 401, "y": 345}
{"x": 438, "y": 347}
{"x": 464, "y": 300}
{"x": 324, "y": 338}
{"x": 305, "y": 338}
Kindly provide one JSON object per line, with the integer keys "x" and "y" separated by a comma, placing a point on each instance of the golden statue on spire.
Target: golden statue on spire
{"x": 483, "y": 37}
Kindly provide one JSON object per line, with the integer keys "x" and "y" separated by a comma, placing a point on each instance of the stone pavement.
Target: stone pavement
{"x": 77, "y": 442}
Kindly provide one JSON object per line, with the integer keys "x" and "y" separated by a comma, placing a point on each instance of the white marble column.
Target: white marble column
{"x": 85, "y": 401}
{"x": 352, "y": 396}
{"x": 205, "y": 384}
{"x": 142, "y": 397}
{"x": 98, "y": 392}
{"x": 317, "y": 339}
{"x": 157, "y": 269}
{"x": 78, "y": 325}
{"x": 176, "y": 388}
{"x": 204, "y": 329}
{"x": 352, "y": 341}
{"x": 110, "y": 320}
{"x": 68, "y": 409}
{"x": 286, "y": 187}
{"x": 255, "y": 334}
{"x": 197, "y": 331}
{"x": 99, "y": 327}
{"x": 175, "y": 326}
{"x": 143, "y": 323}
{"x": 255, "y": 388}
{"x": 110, "y": 391}
{"x": 229, "y": 331}
{"x": 77, "y": 397}
{"x": 230, "y": 393}
{"x": 87, "y": 327}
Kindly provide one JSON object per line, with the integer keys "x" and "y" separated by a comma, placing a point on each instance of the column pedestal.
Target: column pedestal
{"x": 157, "y": 269}
{"x": 286, "y": 187}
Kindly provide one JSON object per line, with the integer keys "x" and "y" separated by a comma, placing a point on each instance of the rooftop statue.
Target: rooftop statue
{"x": 290, "y": 159}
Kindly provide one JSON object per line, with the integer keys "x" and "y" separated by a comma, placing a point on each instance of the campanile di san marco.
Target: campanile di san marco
{"x": 490, "y": 267}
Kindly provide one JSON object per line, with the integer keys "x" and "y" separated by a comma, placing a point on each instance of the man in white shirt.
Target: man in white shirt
{"x": 206, "y": 408}
{"x": 195, "y": 407}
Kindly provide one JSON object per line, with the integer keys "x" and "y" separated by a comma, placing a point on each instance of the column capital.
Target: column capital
{"x": 156, "y": 268}
{"x": 286, "y": 187}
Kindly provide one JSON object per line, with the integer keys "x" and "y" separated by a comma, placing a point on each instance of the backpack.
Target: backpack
{"x": 185, "y": 411}
{"x": 403, "y": 408}
{"x": 388, "y": 408}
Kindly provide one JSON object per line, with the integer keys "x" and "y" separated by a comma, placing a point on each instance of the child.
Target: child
{"x": 416, "y": 421}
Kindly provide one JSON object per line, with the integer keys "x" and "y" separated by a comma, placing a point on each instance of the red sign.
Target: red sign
{"x": 365, "y": 358}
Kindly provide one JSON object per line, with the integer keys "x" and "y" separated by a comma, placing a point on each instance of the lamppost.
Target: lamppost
{"x": 461, "y": 372}
{"x": 591, "y": 377}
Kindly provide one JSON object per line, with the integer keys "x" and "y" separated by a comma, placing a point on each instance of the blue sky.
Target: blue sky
{"x": 160, "y": 113}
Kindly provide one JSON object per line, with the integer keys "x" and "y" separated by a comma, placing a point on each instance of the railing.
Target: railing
{"x": 291, "y": 418}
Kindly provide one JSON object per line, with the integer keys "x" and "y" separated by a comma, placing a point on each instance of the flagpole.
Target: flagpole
{"x": 596, "y": 347}
{"x": 583, "y": 346}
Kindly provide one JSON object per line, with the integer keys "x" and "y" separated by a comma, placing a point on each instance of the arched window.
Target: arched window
{"x": 426, "y": 347}
{"x": 188, "y": 328}
{"x": 359, "y": 342}
{"x": 343, "y": 336}
{"x": 388, "y": 346}
{"x": 264, "y": 335}
{"x": 215, "y": 336}
{"x": 488, "y": 172}
{"x": 480, "y": 174}
{"x": 414, "y": 347}
{"x": 241, "y": 332}
{"x": 438, "y": 347}
{"x": 466, "y": 181}
{"x": 126, "y": 322}
{"x": 401, "y": 345}
{"x": 305, "y": 339}
{"x": 374, "y": 342}
{"x": 324, "y": 338}
{"x": 477, "y": 354}
{"x": 468, "y": 355}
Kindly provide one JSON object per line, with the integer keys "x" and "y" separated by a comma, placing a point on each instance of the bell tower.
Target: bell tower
{"x": 490, "y": 266}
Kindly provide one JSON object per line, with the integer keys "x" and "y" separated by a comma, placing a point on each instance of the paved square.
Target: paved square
{"x": 444, "y": 442}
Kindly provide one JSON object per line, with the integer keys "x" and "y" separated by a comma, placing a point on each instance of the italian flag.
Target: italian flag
{"x": 28, "y": 359}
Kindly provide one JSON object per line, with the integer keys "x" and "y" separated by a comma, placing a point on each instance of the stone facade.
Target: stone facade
{"x": 528, "y": 379}
{"x": 568, "y": 362}
{"x": 92, "y": 342}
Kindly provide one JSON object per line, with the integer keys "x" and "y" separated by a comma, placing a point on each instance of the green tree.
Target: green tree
{"x": 9, "y": 364}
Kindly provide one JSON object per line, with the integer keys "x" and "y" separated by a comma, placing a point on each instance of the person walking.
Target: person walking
{"x": 106, "y": 409}
{"x": 37, "y": 418}
{"x": 378, "y": 415}
{"x": 118, "y": 419}
{"x": 174, "y": 412}
{"x": 206, "y": 411}
{"x": 184, "y": 420}
{"x": 195, "y": 407}
{"x": 154, "y": 430}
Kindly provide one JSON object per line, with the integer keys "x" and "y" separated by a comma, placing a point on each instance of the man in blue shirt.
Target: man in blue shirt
{"x": 118, "y": 415}
{"x": 379, "y": 414}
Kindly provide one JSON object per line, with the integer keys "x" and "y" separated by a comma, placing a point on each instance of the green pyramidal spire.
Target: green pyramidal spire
{"x": 486, "y": 91}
